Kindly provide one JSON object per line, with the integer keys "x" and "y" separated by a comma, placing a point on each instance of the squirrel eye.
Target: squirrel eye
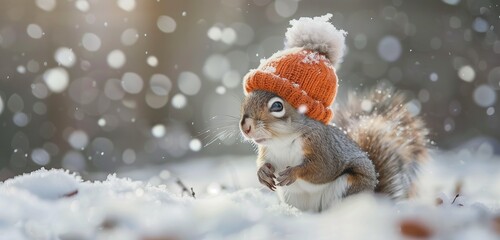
{"x": 276, "y": 107}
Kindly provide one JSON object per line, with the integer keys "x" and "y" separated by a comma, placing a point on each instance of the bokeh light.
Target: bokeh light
{"x": 101, "y": 85}
{"x": 132, "y": 83}
{"x": 91, "y": 42}
{"x": 47, "y": 5}
{"x": 116, "y": 59}
{"x": 166, "y": 24}
{"x": 127, "y": 5}
{"x": 34, "y": 31}
{"x": 57, "y": 79}
{"x": 189, "y": 83}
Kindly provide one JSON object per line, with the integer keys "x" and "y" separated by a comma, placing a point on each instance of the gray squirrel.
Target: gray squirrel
{"x": 374, "y": 145}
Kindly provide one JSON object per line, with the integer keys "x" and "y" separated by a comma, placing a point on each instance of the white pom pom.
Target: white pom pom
{"x": 319, "y": 35}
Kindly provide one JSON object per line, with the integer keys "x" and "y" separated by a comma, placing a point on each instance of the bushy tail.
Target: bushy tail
{"x": 395, "y": 140}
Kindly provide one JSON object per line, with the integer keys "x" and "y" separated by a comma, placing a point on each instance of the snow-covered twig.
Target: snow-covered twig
{"x": 184, "y": 188}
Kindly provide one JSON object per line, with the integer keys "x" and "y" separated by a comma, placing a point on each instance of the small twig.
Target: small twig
{"x": 184, "y": 188}
{"x": 455, "y": 198}
{"x": 192, "y": 193}
{"x": 71, "y": 194}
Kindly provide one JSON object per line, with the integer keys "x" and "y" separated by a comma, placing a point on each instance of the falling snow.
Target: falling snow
{"x": 143, "y": 87}
{"x": 467, "y": 73}
{"x": 65, "y": 57}
{"x": 57, "y": 79}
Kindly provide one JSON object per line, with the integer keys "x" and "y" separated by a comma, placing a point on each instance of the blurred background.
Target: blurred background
{"x": 102, "y": 86}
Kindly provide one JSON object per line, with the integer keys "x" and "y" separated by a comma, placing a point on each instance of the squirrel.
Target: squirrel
{"x": 374, "y": 144}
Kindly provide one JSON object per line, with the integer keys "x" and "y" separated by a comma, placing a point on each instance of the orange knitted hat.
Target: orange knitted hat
{"x": 303, "y": 73}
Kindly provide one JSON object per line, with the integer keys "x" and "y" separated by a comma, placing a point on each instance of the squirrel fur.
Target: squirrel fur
{"x": 375, "y": 143}
{"x": 312, "y": 165}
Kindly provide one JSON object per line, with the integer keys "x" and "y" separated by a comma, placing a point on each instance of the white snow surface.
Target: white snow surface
{"x": 319, "y": 35}
{"x": 230, "y": 204}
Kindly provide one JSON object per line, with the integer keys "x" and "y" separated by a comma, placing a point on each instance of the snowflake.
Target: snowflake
{"x": 311, "y": 58}
{"x": 269, "y": 69}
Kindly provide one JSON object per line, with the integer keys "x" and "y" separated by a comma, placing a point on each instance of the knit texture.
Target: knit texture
{"x": 304, "y": 78}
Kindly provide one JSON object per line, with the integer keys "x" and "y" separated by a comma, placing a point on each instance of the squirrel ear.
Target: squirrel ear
{"x": 319, "y": 35}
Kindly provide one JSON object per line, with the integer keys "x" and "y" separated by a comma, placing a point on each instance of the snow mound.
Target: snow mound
{"x": 319, "y": 35}
{"x": 46, "y": 184}
{"x": 120, "y": 208}
{"x": 36, "y": 206}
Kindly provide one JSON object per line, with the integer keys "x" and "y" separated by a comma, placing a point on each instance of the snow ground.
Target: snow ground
{"x": 229, "y": 204}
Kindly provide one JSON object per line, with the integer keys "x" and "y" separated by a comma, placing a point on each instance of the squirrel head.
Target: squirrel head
{"x": 266, "y": 117}
{"x": 303, "y": 74}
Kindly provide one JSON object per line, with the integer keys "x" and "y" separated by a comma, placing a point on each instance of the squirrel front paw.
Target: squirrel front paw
{"x": 287, "y": 176}
{"x": 266, "y": 175}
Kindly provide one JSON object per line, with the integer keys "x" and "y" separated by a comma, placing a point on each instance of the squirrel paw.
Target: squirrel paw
{"x": 287, "y": 176}
{"x": 266, "y": 176}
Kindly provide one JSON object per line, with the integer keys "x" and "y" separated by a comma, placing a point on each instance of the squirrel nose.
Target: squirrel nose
{"x": 246, "y": 124}
{"x": 247, "y": 129}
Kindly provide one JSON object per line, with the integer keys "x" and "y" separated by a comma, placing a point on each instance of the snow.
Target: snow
{"x": 45, "y": 185}
{"x": 152, "y": 61}
{"x": 269, "y": 69}
{"x": 101, "y": 97}
{"x": 490, "y": 111}
{"x": 179, "y": 101}
{"x": 57, "y": 79}
{"x": 158, "y": 130}
{"x": 214, "y": 33}
{"x": 312, "y": 58}
{"x": 467, "y": 73}
{"x": 229, "y": 204}
{"x": 195, "y": 145}
{"x": 433, "y": 76}
{"x": 65, "y": 56}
